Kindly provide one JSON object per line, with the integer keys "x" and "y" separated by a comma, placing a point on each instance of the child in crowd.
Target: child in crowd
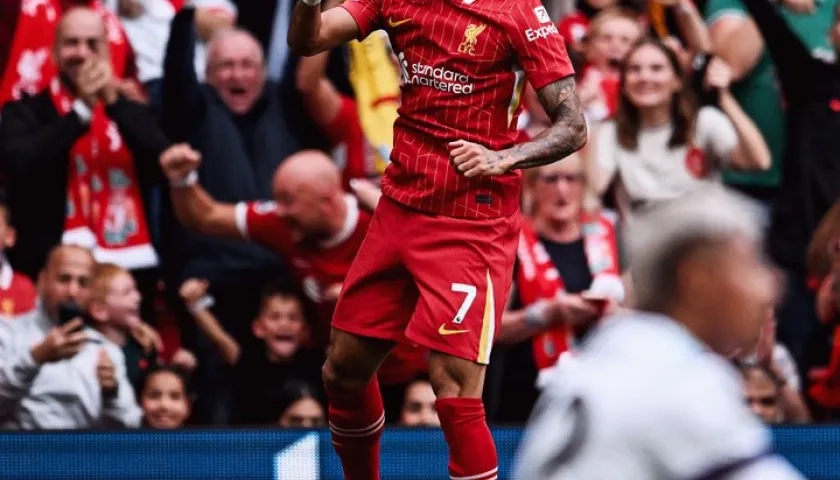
{"x": 164, "y": 397}
{"x": 300, "y": 406}
{"x": 17, "y": 293}
{"x": 260, "y": 373}
{"x": 114, "y": 310}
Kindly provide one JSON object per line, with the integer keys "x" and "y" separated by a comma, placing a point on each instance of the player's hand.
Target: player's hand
{"x": 473, "y": 160}
{"x": 106, "y": 375}
{"x": 62, "y": 342}
{"x": 193, "y": 289}
{"x": 178, "y": 161}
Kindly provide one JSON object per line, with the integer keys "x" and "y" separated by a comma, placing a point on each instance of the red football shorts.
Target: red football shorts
{"x": 435, "y": 281}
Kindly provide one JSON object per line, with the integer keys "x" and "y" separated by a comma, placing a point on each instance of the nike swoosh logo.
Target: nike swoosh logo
{"x": 444, "y": 331}
{"x": 393, "y": 24}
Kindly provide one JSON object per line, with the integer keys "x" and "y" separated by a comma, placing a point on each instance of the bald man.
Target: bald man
{"x": 62, "y": 375}
{"x": 312, "y": 222}
{"x": 43, "y": 135}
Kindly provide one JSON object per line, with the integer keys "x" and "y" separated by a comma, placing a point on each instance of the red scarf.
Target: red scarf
{"x": 539, "y": 279}
{"x": 30, "y": 67}
{"x": 104, "y": 205}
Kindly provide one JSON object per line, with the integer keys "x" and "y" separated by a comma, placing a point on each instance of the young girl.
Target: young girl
{"x": 164, "y": 398}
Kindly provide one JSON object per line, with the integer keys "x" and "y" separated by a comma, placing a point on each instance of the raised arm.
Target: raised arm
{"x": 182, "y": 102}
{"x": 320, "y": 97}
{"x": 193, "y": 206}
{"x": 566, "y": 135}
{"x": 795, "y": 67}
{"x": 193, "y": 292}
{"x": 313, "y": 31}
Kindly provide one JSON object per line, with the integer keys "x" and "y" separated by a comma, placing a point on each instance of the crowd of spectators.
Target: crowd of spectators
{"x": 183, "y": 195}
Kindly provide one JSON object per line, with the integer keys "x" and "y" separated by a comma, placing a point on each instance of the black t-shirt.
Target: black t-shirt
{"x": 510, "y": 390}
{"x": 258, "y": 383}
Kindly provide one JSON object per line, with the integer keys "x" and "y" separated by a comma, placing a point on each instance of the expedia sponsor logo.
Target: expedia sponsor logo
{"x": 534, "y": 34}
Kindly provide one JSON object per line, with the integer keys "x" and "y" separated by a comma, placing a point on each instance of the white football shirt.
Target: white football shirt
{"x": 643, "y": 399}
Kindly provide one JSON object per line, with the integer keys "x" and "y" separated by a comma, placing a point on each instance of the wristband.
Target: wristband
{"x": 188, "y": 181}
{"x": 311, "y": 3}
{"x": 535, "y": 317}
{"x": 83, "y": 111}
{"x": 204, "y": 303}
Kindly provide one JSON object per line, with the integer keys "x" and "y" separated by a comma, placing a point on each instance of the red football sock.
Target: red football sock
{"x": 356, "y": 421}
{"x": 472, "y": 452}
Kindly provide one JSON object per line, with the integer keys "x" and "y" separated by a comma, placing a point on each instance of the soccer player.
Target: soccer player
{"x": 651, "y": 394}
{"x": 436, "y": 264}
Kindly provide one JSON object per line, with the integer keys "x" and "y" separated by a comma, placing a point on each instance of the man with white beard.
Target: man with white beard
{"x": 650, "y": 394}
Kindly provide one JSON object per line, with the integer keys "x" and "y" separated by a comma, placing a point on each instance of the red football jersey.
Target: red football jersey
{"x": 318, "y": 266}
{"x": 464, "y": 63}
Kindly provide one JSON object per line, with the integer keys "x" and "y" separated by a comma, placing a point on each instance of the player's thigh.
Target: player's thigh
{"x": 378, "y": 294}
{"x": 463, "y": 271}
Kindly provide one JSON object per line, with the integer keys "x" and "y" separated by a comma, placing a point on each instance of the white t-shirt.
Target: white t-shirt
{"x": 655, "y": 172}
{"x": 643, "y": 400}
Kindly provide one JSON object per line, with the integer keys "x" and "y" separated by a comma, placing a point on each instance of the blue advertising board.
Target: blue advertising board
{"x": 413, "y": 454}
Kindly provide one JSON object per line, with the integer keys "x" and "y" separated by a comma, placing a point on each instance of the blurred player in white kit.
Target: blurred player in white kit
{"x": 650, "y": 395}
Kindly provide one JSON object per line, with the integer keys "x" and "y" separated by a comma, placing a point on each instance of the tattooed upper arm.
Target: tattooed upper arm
{"x": 560, "y": 100}
{"x": 562, "y": 104}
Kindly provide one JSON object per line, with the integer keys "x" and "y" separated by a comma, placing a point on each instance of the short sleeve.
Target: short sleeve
{"x": 366, "y": 13}
{"x": 538, "y": 45}
{"x": 706, "y": 429}
{"x": 716, "y": 135}
{"x": 718, "y": 9}
{"x": 259, "y": 223}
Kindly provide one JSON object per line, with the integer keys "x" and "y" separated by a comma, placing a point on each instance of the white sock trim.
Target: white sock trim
{"x": 359, "y": 432}
{"x": 480, "y": 475}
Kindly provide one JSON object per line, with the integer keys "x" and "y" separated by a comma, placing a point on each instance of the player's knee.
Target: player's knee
{"x": 343, "y": 377}
{"x": 351, "y": 361}
{"x": 453, "y": 377}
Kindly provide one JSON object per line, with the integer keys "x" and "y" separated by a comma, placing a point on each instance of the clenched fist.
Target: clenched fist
{"x": 178, "y": 161}
{"x": 472, "y": 160}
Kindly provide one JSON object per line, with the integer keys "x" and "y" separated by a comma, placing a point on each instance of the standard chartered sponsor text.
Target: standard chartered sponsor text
{"x": 441, "y": 78}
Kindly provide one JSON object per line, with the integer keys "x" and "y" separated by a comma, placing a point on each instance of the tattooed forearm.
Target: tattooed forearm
{"x": 565, "y": 136}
